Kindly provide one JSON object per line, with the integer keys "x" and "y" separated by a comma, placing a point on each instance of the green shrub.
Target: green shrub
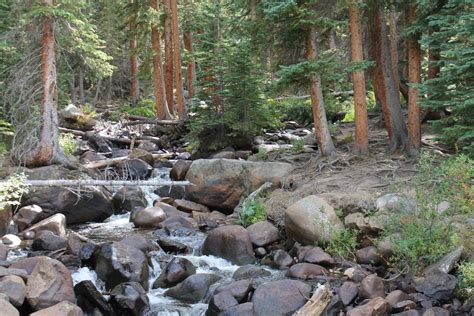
{"x": 252, "y": 212}
{"x": 145, "y": 107}
{"x": 343, "y": 243}
{"x": 6, "y": 134}
{"x": 466, "y": 279}
{"x": 297, "y": 145}
{"x": 262, "y": 154}
{"x": 12, "y": 191}
{"x": 68, "y": 143}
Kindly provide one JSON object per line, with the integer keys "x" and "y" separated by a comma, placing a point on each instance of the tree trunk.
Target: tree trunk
{"x": 110, "y": 89}
{"x": 361, "y": 144}
{"x": 162, "y": 111}
{"x": 385, "y": 85}
{"x": 97, "y": 91}
{"x": 134, "y": 87}
{"x": 48, "y": 143}
{"x": 82, "y": 98}
{"x": 394, "y": 46}
{"x": 167, "y": 28}
{"x": 72, "y": 84}
{"x": 177, "y": 60}
{"x": 323, "y": 137}
{"x": 414, "y": 72}
{"x": 191, "y": 66}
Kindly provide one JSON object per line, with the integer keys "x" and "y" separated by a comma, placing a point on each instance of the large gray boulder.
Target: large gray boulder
{"x": 194, "y": 288}
{"x": 220, "y": 183}
{"x": 311, "y": 220}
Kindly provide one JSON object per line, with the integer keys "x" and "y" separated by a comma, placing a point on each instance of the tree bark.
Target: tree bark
{"x": 385, "y": 85}
{"x": 177, "y": 59}
{"x": 323, "y": 137}
{"x": 72, "y": 83}
{"x": 167, "y": 28}
{"x": 361, "y": 144}
{"x": 191, "y": 66}
{"x": 97, "y": 91}
{"x": 134, "y": 87}
{"x": 82, "y": 98}
{"x": 48, "y": 143}
{"x": 162, "y": 111}
{"x": 394, "y": 46}
{"x": 414, "y": 72}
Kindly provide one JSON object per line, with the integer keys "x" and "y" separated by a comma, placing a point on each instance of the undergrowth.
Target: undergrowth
{"x": 68, "y": 143}
{"x": 252, "y": 212}
{"x": 12, "y": 191}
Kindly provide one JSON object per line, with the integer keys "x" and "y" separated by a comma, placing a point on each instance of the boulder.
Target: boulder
{"x": 311, "y": 220}
{"x": 372, "y": 286}
{"x": 395, "y": 203}
{"x": 395, "y": 297}
{"x": 27, "y": 216}
{"x": 438, "y": 285}
{"x": 172, "y": 191}
{"x": 138, "y": 153}
{"x": 11, "y": 241}
{"x": 174, "y": 272}
{"x": 240, "y": 290}
{"x": 250, "y": 272}
{"x": 55, "y": 224}
{"x": 100, "y": 144}
{"x": 283, "y": 297}
{"x": 278, "y": 259}
{"x": 7, "y": 308}
{"x": 230, "y": 242}
{"x": 90, "y": 299}
{"x": 436, "y": 311}
{"x": 117, "y": 262}
{"x": 140, "y": 242}
{"x": 315, "y": 255}
{"x": 72, "y": 112}
{"x": 263, "y": 233}
{"x": 64, "y": 308}
{"x": 129, "y": 298}
{"x": 3, "y": 252}
{"x": 127, "y": 199}
{"x": 221, "y": 302}
{"x": 194, "y": 288}
{"x": 446, "y": 263}
{"x": 81, "y": 246}
{"x": 50, "y": 283}
{"x": 134, "y": 169}
{"x": 306, "y": 271}
{"x": 375, "y": 307}
{"x": 245, "y": 309}
{"x": 366, "y": 225}
{"x": 369, "y": 255}
{"x": 174, "y": 224}
{"x": 148, "y": 146}
{"x": 47, "y": 240}
{"x": 149, "y": 217}
{"x": 94, "y": 205}
{"x": 179, "y": 170}
{"x": 348, "y": 292}
{"x": 172, "y": 246}
{"x": 189, "y": 207}
{"x": 14, "y": 288}
{"x": 14, "y": 271}
{"x": 90, "y": 156}
{"x": 220, "y": 183}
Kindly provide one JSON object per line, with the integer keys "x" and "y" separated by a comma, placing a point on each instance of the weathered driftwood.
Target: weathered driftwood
{"x": 72, "y": 131}
{"x": 317, "y": 303}
{"x": 128, "y": 141}
{"x": 113, "y": 161}
{"x": 112, "y": 183}
{"x": 147, "y": 120}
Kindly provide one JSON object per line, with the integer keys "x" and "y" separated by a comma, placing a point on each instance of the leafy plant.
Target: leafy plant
{"x": 12, "y": 191}
{"x": 145, "y": 107}
{"x": 6, "y": 132}
{"x": 68, "y": 143}
{"x": 343, "y": 243}
{"x": 466, "y": 279}
{"x": 262, "y": 154}
{"x": 252, "y": 212}
{"x": 297, "y": 145}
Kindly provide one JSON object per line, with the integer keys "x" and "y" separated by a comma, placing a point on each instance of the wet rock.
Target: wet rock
{"x": 250, "y": 272}
{"x": 134, "y": 169}
{"x": 315, "y": 255}
{"x": 245, "y": 309}
{"x": 230, "y": 242}
{"x": 139, "y": 242}
{"x": 278, "y": 259}
{"x": 148, "y": 146}
{"x": 220, "y": 183}
{"x": 372, "y": 286}
{"x": 3, "y": 252}
{"x": 12, "y": 241}
{"x": 81, "y": 246}
{"x": 411, "y": 312}
{"x": 446, "y": 263}
{"x": 149, "y": 217}
{"x": 138, "y": 153}
{"x": 47, "y": 240}
{"x": 263, "y": 233}
{"x": 221, "y": 302}
{"x": 394, "y": 297}
{"x": 28, "y": 235}
{"x": 90, "y": 299}
{"x": 436, "y": 311}
{"x": 162, "y": 163}
{"x": 55, "y": 224}
{"x": 172, "y": 191}
{"x": 50, "y": 283}
{"x": 63, "y": 309}
{"x": 306, "y": 271}
{"x": 91, "y": 156}
{"x": 7, "y": 308}
{"x": 193, "y": 289}
{"x": 27, "y": 216}
{"x": 14, "y": 271}
{"x": 170, "y": 210}
{"x": 239, "y": 289}
{"x": 179, "y": 170}
{"x": 394, "y": 202}
{"x": 117, "y": 262}
{"x": 129, "y": 299}
{"x": 404, "y": 306}
{"x": 14, "y": 288}
{"x": 172, "y": 246}
{"x": 189, "y": 207}
{"x": 127, "y": 199}
{"x": 375, "y": 307}
{"x": 260, "y": 252}
{"x": 174, "y": 272}
{"x": 282, "y": 297}
{"x": 319, "y": 229}
{"x": 438, "y": 285}
{"x": 369, "y": 255}
{"x": 348, "y": 292}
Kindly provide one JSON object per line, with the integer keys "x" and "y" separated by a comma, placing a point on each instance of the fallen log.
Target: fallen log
{"x": 113, "y": 161}
{"x": 317, "y": 303}
{"x": 72, "y": 131}
{"x": 112, "y": 183}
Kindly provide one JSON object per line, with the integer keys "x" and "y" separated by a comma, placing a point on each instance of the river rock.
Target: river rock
{"x": 221, "y": 302}
{"x": 90, "y": 299}
{"x": 11, "y": 241}
{"x": 306, "y": 271}
{"x": 81, "y": 246}
{"x": 91, "y": 156}
{"x": 179, "y": 170}
{"x": 64, "y": 308}
{"x": 139, "y": 242}
{"x": 263, "y": 233}
{"x": 139, "y": 153}
{"x": 411, "y": 312}
{"x": 149, "y": 217}
{"x": 117, "y": 262}
{"x": 279, "y": 259}
{"x": 134, "y": 169}
{"x": 50, "y": 283}
{"x": 446, "y": 263}
{"x": 93, "y": 205}
{"x": 47, "y": 240}
{"x": 170, "y": 210}
{"x": 315, "y": 255}
{"x": 230, "y": 242}
{"x": 395, "y": 297}
{"x": 14, "y": 288}
{"x": 348, "y": 292}
{"x": 369, "y": 255}
{"x": 189, "y": 207}
{"x": 245, "y": 309}
{"x": 436, "y": 311}
{"x": 375, "y": 307}
{"x": 174, "y": 272}
{"x": 372, "y": 286}
{"x": 127, "y": 199}
{"x": 7, "y": 308}
{"x": 394, "y": 202}
{"x": 311, "y": 220}
{"x": 239, "y": 289}
{"x": 13, "y": 271}
{"x": 438, "y": 285}
{"x": 129, "y": 298}
{"x": 172, "y": 246}
{"x": 27, "y": 216}
{"x": 250, "y": 272}
{"x": 193, "y": 289}
{"x": 220, "y": 183}
{"x": 282, "y": 297}
{"x": 55, "y": 224}
{"x": 171, "y": 191}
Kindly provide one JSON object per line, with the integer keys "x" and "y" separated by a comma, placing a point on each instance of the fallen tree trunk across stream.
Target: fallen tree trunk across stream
{"x": 113, "y": 183}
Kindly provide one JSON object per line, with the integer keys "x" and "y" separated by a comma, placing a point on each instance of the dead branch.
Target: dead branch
{"x": 113, "y": 161}
{"x": 317, "y": 303}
